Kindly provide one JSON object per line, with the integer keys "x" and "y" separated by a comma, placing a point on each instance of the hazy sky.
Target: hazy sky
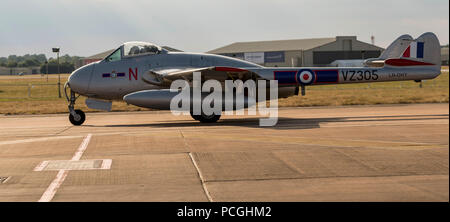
{"x": 86, "y": 27}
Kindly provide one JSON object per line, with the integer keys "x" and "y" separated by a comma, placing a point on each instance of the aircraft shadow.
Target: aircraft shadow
{"x": 284, "y": 123}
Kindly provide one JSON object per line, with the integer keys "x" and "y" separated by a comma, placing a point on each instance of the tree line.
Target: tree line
{"x": 66, "y": 62}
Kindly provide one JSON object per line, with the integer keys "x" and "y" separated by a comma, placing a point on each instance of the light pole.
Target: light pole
{"x": 46, "y": 69}
{"x": 59, "y": 74}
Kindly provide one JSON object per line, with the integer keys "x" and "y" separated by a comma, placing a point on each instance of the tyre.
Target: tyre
{"x": 196, "y": 117}
{"x": 206, "y": 119}
{"x": 209, "y": 119}
{"x": 80, "y": 118}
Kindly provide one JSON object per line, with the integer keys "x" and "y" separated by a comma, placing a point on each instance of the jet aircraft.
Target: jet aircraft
{"x": 141, "y": 73}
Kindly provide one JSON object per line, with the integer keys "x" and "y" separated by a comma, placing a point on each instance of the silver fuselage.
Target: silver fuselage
{"x": 125, "y": 75}
{"x": 119, "y": 75}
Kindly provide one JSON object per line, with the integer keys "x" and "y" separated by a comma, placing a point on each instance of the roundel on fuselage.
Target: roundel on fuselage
{"x": 305, "y": 76}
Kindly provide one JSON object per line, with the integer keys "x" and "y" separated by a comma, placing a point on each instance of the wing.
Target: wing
{"x": 163, "y": 77}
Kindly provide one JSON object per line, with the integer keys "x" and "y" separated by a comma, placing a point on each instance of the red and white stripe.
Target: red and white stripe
{"x": 411, "y": 51}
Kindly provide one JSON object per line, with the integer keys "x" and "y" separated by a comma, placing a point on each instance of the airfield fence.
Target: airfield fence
{"x": 31, "y": 90}
{"x": 50, "y": 90}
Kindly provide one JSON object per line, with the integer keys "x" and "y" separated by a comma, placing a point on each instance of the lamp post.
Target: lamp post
{"x": 46, "y": 69}
{"x": 59, "y": 74}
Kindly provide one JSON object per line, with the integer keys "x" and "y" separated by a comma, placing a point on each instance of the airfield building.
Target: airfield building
{"x": 19, "y": 70}
{"x": 300, "y": 52}
{"x": 96, "y": 57}
{"x": 444, "y": 55}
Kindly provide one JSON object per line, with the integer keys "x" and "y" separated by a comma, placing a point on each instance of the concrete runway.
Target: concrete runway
{"x": 351, "y": 153}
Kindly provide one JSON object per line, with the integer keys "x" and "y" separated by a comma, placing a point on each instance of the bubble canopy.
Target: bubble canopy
{"x": 139, "y": 48}
{"x": 130, "y": 49}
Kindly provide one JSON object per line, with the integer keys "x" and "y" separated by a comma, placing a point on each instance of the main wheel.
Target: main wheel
{"x": 206, "y": 119}
{"x": 78, "y": 119}
{"x": 196, "y": 117}
{"x": 209, "y": 119}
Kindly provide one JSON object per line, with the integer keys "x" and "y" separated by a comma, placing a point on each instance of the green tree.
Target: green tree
{"x": 11, "y": 64}
{"x": 65, "y": 67}
{"x": 29, "y": 63}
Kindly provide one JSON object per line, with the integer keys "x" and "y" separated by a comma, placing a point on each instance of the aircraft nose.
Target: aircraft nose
{"x": 79, "y": 79}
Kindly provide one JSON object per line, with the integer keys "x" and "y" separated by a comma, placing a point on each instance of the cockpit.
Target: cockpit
{"x": 140, "y": 48}
{"x": 132, "y": 49}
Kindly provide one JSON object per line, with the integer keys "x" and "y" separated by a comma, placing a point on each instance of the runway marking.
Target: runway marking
{"x": 4, "y": 179}
{"x": 37, "y": 140}
{"x": 62, "y": 174}
{"x": 96, "y": 164}
{"x": 106, "y": 164}
{"x": 56, "y": 183}
{"x": 41, "y": 139}
{"x": 82, "y": 147}
{"x": 41, "y": 166}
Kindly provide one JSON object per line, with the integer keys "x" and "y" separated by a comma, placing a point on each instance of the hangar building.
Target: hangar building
{"x": 300, "y": 52}
{"x": 444, "y": 55}
{"x": 97, "y": 57}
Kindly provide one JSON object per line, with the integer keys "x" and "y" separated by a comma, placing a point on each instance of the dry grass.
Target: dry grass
{"x": 54, "y": 106}
{"x": 44, "y": 98}
{"x": 401, "y": 92}
{"x": 367, "y": 97}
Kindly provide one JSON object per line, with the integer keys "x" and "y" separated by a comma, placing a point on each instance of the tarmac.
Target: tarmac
{"x": 347, "y": 153}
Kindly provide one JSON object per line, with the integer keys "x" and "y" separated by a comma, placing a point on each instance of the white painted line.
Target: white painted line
{"x": 41, "y": 166}
{"x": 62, "y": 174}
{"x": 201, "y": 178}
{"x": 56, "y": 165}
{"x": 51, "y": 190}
{"x": 7, "y": 178}
{"x": 106, "y": 164}
{"x": 37, "y": 139}
{"x": 82, "y": 147}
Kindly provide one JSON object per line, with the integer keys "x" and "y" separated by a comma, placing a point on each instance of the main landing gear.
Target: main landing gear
{"x": 76, "y": 116}
{"x": 206, "y": 118}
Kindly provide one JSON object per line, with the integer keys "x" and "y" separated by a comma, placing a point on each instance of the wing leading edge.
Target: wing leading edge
{"x": 165, "y": 76}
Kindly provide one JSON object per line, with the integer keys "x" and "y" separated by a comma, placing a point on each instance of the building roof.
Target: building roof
{"x": 170, "y": 49}
{"x": 275, "y": 45}
{"x": 101, "y": 55}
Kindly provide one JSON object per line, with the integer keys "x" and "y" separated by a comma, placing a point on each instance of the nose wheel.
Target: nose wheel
{"x": 76, "y": 116}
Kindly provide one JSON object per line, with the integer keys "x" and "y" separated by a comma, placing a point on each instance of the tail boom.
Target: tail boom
{"x": 419, "y": 60}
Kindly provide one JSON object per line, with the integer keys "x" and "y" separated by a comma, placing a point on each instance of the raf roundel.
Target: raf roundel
{"x": 305, "y": 77}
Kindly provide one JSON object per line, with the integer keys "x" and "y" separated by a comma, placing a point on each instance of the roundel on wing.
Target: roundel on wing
{"x": 305, "y": 77}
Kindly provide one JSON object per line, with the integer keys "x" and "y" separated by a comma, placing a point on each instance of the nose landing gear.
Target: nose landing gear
{"x": 76, "y": 116}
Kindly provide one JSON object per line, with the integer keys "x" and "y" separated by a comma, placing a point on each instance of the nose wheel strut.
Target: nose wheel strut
{"x": 76, "y": 116}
